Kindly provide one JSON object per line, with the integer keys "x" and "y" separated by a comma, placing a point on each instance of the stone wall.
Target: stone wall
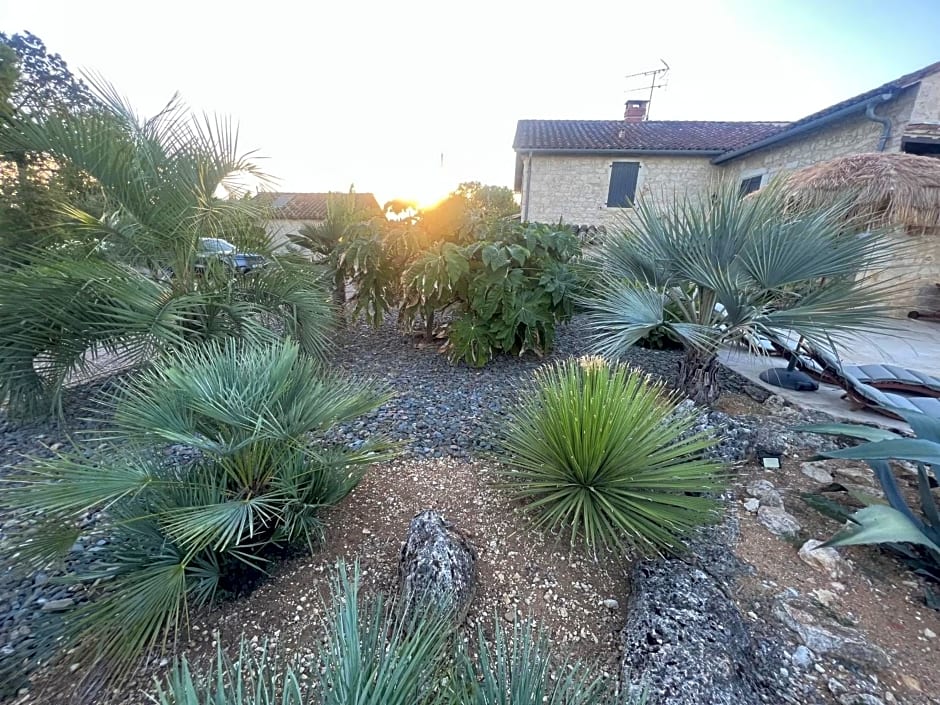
{"x": 927, "y": 106}
{"x": 853, "y": 135}
{"x": 574, "y": 188}
{"x": 914, "y": 273}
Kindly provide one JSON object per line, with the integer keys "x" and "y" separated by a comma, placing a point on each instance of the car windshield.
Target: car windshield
{"x": 216, "y": 244}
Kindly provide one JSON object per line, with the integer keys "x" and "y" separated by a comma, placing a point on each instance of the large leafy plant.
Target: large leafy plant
{"x": 895, "y": 523}
{"x": 133, "y": 287}
{"x": 248, "y": 474}
{"x": 713, "y": 269}
{"x": 599, "y": 450}
{"x": 510, "y": 289}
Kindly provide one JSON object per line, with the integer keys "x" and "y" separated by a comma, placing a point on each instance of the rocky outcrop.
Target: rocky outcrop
{"x": 437, "y": 567}
{"x": 685, "y": 638}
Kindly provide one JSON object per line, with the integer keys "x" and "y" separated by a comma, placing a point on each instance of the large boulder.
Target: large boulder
{"x": 437, "y": 567}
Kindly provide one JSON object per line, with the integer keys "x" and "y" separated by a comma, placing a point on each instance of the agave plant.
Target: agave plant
{"x": 251, "y": 474}
{"x": 895, "y": 523}
{"x": 711, "y": 270}
{"x": 133, "y": 287}
{"x": 600, "y": 450}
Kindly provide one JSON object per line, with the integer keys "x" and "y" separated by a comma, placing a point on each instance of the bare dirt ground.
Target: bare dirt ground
{"x": 879, "y": 596}
{"x": 520, "y": 570}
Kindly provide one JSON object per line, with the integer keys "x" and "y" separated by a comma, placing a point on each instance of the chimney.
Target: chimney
{"x": 635, "y": 110}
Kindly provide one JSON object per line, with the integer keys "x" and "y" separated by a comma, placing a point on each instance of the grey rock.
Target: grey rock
{"x": 611, "y": 604}
{"x": 836, "y": 687}
{"x": 765, "y": 492}
{"x": 823, "y": 635}
{"x": 777, "y": 521}
{"x": 859, "y": 474}
{"x": 860, "y": 699}
{"x": 816, "y": 472}
{"x": 62, "y": 603}
{"x": 752, "y": 504}
{"x": 802, "y": 657}
{"x": 437, "y": 566}
{"x": 685, "y": 636}
{"x": 826, "y": 560}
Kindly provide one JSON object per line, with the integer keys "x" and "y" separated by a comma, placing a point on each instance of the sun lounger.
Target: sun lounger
{"x": 887, "y": 378}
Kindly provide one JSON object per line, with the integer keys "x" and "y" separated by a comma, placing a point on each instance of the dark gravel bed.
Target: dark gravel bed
{"x": 440, "y": 409}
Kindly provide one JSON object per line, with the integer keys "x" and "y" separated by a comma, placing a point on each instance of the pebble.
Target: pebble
{"x": 930, "y": 633}
{"x": 611, "y": 604}
{"x": 802, "y": 657}
{"x": 57, "y": 605}
{"x": 752, "y": 504}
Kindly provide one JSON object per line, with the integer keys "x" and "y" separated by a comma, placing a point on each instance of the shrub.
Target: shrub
{"x": 510, "y": 290}
{"x": 250, "y": 476}
{"x": 895, "y": 524}
{"x": 602, "y": 451}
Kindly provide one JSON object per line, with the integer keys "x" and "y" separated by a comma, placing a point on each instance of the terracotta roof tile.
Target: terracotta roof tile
{"x": 618, "y": 135}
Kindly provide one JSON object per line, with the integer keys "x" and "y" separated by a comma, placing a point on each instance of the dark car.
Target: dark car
{"x": 227, "y": 253}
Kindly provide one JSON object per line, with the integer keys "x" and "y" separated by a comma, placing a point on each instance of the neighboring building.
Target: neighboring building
{"x": 588, "y": 172}
{"x": 289, "y": 212}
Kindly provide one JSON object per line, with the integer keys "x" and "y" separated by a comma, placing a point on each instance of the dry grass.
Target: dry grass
{"x": 885, "y": 189}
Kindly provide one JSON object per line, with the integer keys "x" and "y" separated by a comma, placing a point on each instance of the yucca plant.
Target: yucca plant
{"x": 519, "y": 668}
{"x": 600, "y": 450}
{"x": 714, "y": 269}
{"x": 253, "y": 478}
{"x": 371, "y": 654}
{"x": 133, "y": 286}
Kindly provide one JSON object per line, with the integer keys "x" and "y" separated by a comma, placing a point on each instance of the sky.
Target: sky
{"x": 407, "y": 99}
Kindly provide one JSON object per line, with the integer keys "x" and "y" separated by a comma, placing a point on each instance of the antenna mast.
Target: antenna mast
{"x": 657, "y": 79}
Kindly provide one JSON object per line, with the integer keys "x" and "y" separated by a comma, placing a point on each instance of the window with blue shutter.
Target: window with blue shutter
{"x": 750, "y": 184}
{"x": 622, "y": 189}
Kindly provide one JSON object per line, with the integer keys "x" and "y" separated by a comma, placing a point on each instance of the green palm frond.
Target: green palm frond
{"x": 728, "y": 267}
{"x": 600, "y": 450}
{"x": 257, "y": 475}
{"x": 139, "y": 292}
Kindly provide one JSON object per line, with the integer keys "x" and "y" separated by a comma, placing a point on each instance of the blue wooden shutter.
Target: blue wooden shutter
{"x": 622, "y": 189}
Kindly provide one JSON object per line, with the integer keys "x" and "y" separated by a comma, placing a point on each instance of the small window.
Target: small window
{"x": 622, "y": 190}
{"x": 750, "y": 184}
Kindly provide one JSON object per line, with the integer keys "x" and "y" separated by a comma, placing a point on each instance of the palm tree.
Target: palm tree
{"x": 328, "y": 240}
{"x": 715, "y": 269}
{"x": 136, "y": 290}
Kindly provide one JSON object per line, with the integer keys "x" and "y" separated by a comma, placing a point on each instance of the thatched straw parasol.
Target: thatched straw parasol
{"x": 885, "y": 189}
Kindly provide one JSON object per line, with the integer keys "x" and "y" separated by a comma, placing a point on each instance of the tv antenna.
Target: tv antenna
{"x": 656, "y": 77}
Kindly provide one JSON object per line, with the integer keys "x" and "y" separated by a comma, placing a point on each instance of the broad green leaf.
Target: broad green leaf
{"x": 881, "y": 524}
{"x": 867, "y": 433}
{"x": 916, "y": 449}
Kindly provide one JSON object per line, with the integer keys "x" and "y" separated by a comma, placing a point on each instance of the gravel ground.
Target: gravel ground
{"x": 441, "y": 409}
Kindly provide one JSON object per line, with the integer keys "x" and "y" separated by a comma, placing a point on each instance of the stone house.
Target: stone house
{"x": 588, "y": 172}
{"x": 289, "y": 212}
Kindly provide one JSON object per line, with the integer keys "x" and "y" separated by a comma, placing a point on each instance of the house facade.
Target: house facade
{"x": 589, "y": 172}
{"x": 288, "y": 213}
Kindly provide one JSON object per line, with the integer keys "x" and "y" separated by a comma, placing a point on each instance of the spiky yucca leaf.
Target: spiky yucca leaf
{"x": 519, "y": 669}
{"x": 600, "y": 450}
